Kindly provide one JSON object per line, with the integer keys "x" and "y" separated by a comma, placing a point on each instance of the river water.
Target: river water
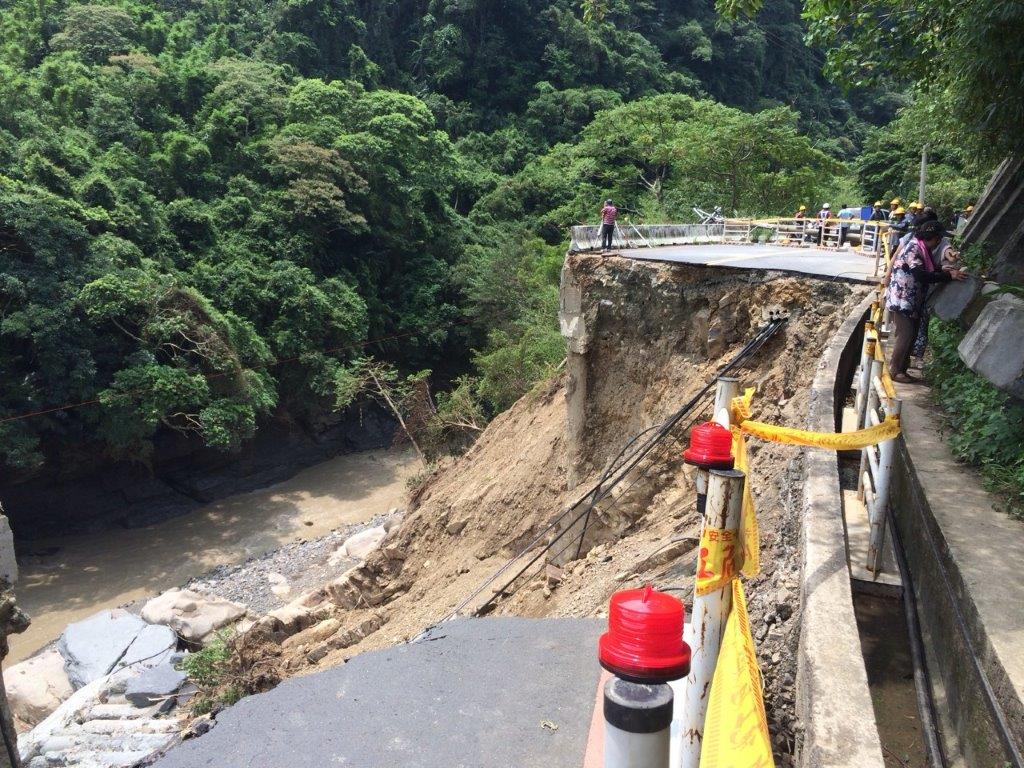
{"x": 87, "y": 573}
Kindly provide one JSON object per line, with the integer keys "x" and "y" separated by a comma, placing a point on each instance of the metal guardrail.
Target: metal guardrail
{"x": 875, "y": 401}
{"x": 825, "y": 233}
{"x": 629, "y": 235}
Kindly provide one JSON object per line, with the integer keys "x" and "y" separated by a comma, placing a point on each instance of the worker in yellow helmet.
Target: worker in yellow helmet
{"x": 801, "y": 212}
{"x": 877, "y": 214}
{"x": 895, "y": 204}
{"x": 897, "y": 227}
{"x": 913, "y": 217}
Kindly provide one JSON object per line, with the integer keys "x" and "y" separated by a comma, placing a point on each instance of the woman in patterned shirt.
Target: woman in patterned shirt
{"x": 913, "y": 270}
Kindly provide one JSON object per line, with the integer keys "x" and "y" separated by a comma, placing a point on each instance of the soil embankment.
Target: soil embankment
{"x": 654, "y": 335}
{"x": 70, "y": 578}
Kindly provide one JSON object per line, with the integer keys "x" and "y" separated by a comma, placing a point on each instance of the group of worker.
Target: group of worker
{"x": 921, "y": 257}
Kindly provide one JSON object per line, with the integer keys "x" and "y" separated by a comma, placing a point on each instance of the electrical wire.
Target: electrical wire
{"x": 612, "y": 475}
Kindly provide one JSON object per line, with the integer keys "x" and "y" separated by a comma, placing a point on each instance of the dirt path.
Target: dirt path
{"x": 98, "y": 571}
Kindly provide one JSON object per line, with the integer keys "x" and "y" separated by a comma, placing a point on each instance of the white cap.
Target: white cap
{"x": 826, "y": 205}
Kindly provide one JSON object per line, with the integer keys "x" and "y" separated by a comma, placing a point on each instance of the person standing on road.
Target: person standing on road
{"x": 913, "y": 270}
{"x": 895, "y": 205}
{"x": 801, "y": 212}
{"x": 608, "y": 215}
{"x": 846, "y": 213}
{"x": 876, "y": 212}
{"x": 823, "y": 215}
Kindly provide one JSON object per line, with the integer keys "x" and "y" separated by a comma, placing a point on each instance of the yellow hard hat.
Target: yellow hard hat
{"x": 969, "y": 208}
{"x": 899, "y": 210}
{"x": 915, "y": 204}
{"x": 894, "y": 201}
{"x": 878, "y": 203}
{"x": 803, "y": 207}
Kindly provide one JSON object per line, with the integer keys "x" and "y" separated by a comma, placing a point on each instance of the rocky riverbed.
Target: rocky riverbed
{"x": 67, "y": 579}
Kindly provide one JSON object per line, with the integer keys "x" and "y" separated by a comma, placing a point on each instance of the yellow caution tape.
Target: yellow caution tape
{"x": 887, "y": 385}
{"x": 833, "y": 441}
{"x": 716, "y": 561}
{"x": 735, "y": 727}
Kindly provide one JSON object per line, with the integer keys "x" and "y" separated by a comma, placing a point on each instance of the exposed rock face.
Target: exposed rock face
{"x": 192, "y": 615}
{"x": 36, "y": 687}
{"x": 8, "y": 562}
{"x": 111, "y": 640}
{"x": 998, "y": 221}
{"x": 992, "y": 347}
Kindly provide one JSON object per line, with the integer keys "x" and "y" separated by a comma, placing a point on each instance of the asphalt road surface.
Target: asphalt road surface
{"x": 481, "y": 693}
{"x": 841, "y": 264}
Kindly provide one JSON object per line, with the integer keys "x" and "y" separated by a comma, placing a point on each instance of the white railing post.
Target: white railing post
{"x": 864, "y": 380}
{"x": 727, "y": 387}
{"x": 880, "y": 503}
{"x": 872, "y": 403}
{"x": 719, "y": 501}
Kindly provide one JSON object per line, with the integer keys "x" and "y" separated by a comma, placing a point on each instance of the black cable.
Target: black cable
{"x": 988, "y": 694}
{"x": 750, "y": 348}
{"x": 600, "y": 493}
{"x": 505, "y": 591}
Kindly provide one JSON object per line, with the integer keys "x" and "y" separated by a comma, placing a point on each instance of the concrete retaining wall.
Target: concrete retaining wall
{"x": 964, "y": 560}
{"x": 833, "y": 699}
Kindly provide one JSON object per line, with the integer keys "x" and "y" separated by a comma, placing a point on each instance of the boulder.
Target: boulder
{"x": 361, "y": 544}
{"x": 192, "y": 615}
{"x": 992, "y": 347}
{"x": 36, "y": 687}
{"x": 154, "y": 685}
{"x": 96, "y": 646}
{"x": 951, "y": 300}
{"x": 279, "y": 584}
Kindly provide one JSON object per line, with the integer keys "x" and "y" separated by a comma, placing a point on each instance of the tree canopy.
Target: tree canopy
{"x": 213, "y": 213}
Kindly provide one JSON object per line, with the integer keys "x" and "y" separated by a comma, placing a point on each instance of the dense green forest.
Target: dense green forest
{"x": 214, "y": 211}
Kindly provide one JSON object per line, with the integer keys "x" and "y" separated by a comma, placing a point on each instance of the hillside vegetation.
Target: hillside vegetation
{"x": 211, "y": 212}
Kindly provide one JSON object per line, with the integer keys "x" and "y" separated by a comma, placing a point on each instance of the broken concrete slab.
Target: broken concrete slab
{"x": 154, "y": 685}
{"x": 92, "y": 647}
{"x": 191, "y": 614}
{"x": 992, "y": 347}
{"x": 36, "y": 687}
{"x": 153, "y": 645}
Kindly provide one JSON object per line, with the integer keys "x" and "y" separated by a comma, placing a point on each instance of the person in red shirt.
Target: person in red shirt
{"x": 608, "y": 216}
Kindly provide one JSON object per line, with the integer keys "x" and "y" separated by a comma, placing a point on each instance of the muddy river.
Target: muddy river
{"x": 87, "y": 573}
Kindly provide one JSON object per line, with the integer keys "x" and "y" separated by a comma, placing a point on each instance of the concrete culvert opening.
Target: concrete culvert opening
{"x": 642, "y": 338}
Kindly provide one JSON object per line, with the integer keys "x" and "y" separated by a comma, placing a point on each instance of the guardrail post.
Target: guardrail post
{"x": 877, "y": 509}
{"x": 727, "y": 387}
{"x": 871, "y": 403}
{"x": 723, "y": 505}
{"x": 719, "y": 502}
{"x": 864, "y": 382}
